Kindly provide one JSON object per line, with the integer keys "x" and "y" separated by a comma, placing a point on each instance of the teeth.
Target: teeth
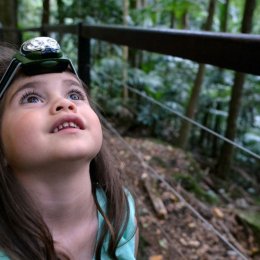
{"x": 65, "y": 125}
{"x": 71, "y": 124}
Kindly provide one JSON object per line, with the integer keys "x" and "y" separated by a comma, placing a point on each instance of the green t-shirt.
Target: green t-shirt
{"x": 3, "y": 256}
{"x": 126, "y": 247}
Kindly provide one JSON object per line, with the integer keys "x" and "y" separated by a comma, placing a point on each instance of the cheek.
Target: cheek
{"x": 96, "y": 124}
{"x": 96, "y": 130}
{"x": 11, "y": 138}
{"x": 16, "y": 135}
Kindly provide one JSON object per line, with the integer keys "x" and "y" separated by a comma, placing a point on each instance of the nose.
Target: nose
{"x": 63, "y": 104}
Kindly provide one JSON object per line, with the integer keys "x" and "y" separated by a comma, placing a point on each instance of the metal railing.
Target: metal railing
{"x": 239, "y": 52}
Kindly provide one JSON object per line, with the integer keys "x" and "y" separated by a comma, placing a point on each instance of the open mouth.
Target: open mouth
{"x": 65, "y": 125}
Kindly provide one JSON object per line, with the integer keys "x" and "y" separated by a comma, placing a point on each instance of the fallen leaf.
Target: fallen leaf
{"x": 156, "y": 257}
{"x": 217, "y": 213}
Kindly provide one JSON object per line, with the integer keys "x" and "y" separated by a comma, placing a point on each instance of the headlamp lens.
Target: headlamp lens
{"x": 41, "y": 47}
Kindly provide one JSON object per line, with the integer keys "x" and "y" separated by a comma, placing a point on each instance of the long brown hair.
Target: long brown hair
{"x": 24, "y": 234}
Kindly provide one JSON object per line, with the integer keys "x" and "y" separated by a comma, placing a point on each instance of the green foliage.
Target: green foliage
{"x": 29, "y": 7}
{"x": 98, "y": 11}
{"x": 94, "y": 11}
{"x": 166, "y": 79}
{"x": 162, "y": 13}
{"x": 192, "y": 184}
{"x": 252, "y": 218}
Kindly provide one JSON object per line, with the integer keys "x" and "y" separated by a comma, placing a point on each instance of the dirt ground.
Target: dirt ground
{"x": 169, "y": 226}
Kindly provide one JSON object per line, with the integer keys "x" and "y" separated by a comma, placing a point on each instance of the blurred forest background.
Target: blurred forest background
{"x": 224, "y": 101}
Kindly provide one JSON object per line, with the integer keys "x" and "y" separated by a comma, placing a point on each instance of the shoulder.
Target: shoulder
{"x": 131, "y": 223}
{"x": 102, "y": 200}
{"x": 126, "y": 246}
{"x": 3, "y": 256}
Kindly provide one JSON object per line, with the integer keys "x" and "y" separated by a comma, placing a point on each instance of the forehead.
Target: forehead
{"x": 44, "y": 79}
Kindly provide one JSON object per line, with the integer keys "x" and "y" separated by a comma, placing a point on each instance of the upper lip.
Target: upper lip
{"x": 73, "y": 119}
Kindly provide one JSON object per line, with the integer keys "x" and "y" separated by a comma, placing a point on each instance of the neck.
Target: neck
{"x": 62, "y": 194}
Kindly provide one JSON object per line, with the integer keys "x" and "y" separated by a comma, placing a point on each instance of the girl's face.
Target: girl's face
{"x": 47, "y": 118}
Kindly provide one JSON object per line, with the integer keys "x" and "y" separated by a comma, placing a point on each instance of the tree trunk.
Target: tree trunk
{"x": 138, "y": 4}
{"x": 61, "y": 16}
{"x": 223, "y": 28}
{"x": 185, "y": 20}
{"x": 216, "y": 128}
{"x": 227, "y": 150}
{"x": 192, "y": 104}
{"x": 8, "y": 19}
{"x": 172, "y": 19}
{"x": 224, "y": 16}
{"x": 45, "y": 15}
{"x": 226, "y": 154}
{"x": 211, "y": 11}
{"x": 205, "y": 137}
{"x": 125, "y": 53}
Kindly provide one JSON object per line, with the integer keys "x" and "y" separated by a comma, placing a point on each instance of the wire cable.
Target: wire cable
{"x": 194, "y": 122}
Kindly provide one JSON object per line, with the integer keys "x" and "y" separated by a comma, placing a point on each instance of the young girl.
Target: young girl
{"x": 60, "y": 196}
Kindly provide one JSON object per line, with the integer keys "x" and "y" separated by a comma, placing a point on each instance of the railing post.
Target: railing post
{"x": 19, "y": 37}
{"x": 83, "y": 57}
{"x": 43, "y": 31}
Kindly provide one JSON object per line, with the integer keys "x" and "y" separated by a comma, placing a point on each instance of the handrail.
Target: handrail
{"x": 239, "y": 52}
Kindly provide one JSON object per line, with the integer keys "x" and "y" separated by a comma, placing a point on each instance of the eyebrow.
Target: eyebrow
{"x": 29, "y": 85}
{"x": 77, "y": 83}
{"x": 69, "y": 82}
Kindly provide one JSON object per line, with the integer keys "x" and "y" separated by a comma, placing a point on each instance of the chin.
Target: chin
{"x": 79, "y": 155}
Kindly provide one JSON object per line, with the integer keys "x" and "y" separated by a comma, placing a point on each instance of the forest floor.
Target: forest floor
{"x": 173, "y": 222}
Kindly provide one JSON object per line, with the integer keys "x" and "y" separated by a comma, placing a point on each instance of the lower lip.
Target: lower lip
{"x": 68, "y": 130}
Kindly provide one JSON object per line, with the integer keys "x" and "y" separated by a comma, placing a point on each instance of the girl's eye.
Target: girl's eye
{"x": 76, "y": 94}
{"x": 30, "y": 97}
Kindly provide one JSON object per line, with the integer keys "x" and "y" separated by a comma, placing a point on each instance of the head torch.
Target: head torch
{"x": 36, "y": 56}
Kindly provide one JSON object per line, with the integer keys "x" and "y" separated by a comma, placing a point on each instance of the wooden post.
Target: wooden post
{"x": 83, "y": 57}
{"x": 19, "y": 37}
{"x": 43, "y": 31}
